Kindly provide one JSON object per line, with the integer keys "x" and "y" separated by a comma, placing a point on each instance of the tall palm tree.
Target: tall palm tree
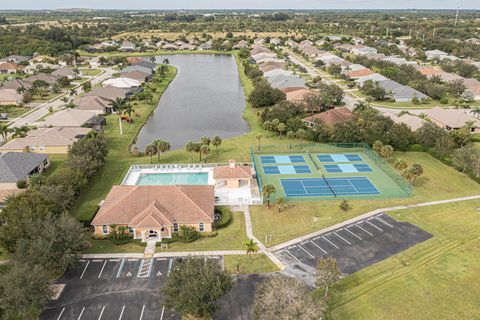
{"x": 259, "y": 137}
{"x": 205, "y": 150}
{"x": 20, "y": 132}
{"x": 190, "y": 147}
{"x": 166, "y": 61}
{"x": 216, "y": 142}
{"x": 128, "y": 110}
{"x": 153, "y": 60}
{"x": 118, "y": 106}
{"x": 251, "y": 247}
{"x": 21, "y": 89}
{"x": 72, "y": 93}
{"x": 162, "y": 146}
{"x": 150, "y": 150}
{"x": 267, "y": 191}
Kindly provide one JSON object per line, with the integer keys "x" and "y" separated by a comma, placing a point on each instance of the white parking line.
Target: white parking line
{"x": 163, "y": 310}
{"x": 162, "y": 259}
{"x": 101, "y": 271}
{"x": 316, "y": 245}
{"x": 170, "y": 262}
{"x": 96, "y": 260}
{"x": 373, "y": 225}
{"x": 141, "y": 314}
{"x": 120, "y": 268}
{"x": 81, "y": 314}
{"x": 333, "y": 244}
{"x": 61, "y": 313}
{"x": 352, "y": 233}
{"x": 312, "y": 256}
{"x": 121, "y": 313}
{"x": 101, "y": 313}
{"x": 286, "y": 250}
{"x": 360, "y": 227}
{"x": 384, "y": 222}
{"x": 85, "y": 269}
{"x": 342, "y": 238}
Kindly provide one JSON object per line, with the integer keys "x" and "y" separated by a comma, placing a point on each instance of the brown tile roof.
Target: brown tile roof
{"x": 360, "y": 73}
{"x": 154, "y": 206}
{"x": 133, "y": 60}
{"x": 333, "y": 116}
{"x": 297, "y": 95}
{"x": 9, "y": 66}
{"x": 290, "y": 89}
{"x": 237, "y": 172}
{"x": 136, "y": 75}
{"x": 271, "y": 65}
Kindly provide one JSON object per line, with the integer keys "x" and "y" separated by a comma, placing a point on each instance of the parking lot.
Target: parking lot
{"x": 356, "y": 245}
{"x": 104, "y": 289}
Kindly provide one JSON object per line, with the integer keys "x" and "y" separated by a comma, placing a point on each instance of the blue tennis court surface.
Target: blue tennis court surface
{"x": 281, "y": 159}
{"x": 286, "y": 169}
{"x": 347, "y": 167}
{"x": 338, "y": 157}
{"x": 318, "y": 187}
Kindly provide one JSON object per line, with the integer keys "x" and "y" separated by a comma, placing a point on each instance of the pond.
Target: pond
{"x": 205, "y": 98}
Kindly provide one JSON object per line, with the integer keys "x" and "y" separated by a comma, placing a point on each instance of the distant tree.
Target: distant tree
{"x": 281, "y": 127}
{"x": 4, "y": 131}
{"x": 290, "y": 135}
{"x": 194, "y": 287}
{"x": 205, "y": 150}
{"x": 386, "y": 151}
{"x": 346, "y": 132}
{"x": 259, "y": 138}
{"x": 87, "y": 86}
{"x": 118, "y": 105}
{"x": 328, "y": 273}
{"x": 161, "y": 147}
{"x": 150, "y": 150}
{"x": 216, "y": 142}
{"x": 411, "y": 174}
{"x": 263, "y": 95}
{"x": 400, "y": 164}
{"x": 344, "y": 205}
{"x": 267, "y": 126}
{"x": 205, "y": 140}
{"x": 190, "y": 147}
{"x": 284, "y": 298}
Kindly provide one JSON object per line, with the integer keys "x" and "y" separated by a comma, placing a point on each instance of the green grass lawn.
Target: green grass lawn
{"x": 231, "y": 237}
{"x": 56, "y": 161}
{"x": 13, "y": 111}
{"x": 90, "y": 72}
{"x": 436, "y": 279}
{"x": 256, "y": 263}
{"x": 438, "y": 182}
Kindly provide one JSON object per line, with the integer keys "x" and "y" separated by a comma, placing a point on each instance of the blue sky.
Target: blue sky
{"x": 243, "y": 4}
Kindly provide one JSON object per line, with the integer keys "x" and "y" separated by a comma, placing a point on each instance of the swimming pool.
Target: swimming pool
{"x": 168, "y": 179}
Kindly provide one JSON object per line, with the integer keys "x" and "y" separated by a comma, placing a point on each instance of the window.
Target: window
{"x": 175, "y": 227}
{"x": 104, "y": 229}
{"x": 130, "y": 230}
{"x": 41, "y": 148}
{"x": 201, "y": 227}
{"x": 32, "y": 148}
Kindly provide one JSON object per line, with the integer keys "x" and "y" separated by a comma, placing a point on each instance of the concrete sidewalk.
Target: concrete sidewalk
{"x": 163, "y": 254}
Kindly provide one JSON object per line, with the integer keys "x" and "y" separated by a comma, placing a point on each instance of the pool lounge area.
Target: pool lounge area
{"x": 228, "y": 191}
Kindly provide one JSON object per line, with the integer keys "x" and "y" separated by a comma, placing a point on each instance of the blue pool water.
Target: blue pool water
{"x": 169, "y": 179}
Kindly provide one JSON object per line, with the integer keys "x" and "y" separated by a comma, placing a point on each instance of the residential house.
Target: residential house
{"x": 46, "y": 140}
{"x": 355, "y": 74}
{"x": 93, "y": 103}
{"x": 400, "y": 92}
{"x": 344, "y": 47}
{"x": 259, "y": 41}
{"x": 68, "y": 72}
{"x": 272, "y": 65}
{"x": 9, "y": 67}
{"x": 292, "y": 44}
{"x": 133, "y": 60}
{"x": 137, "y": 68}
{"x": 452, "y": 119}
{"x": 362, "y": 50}
{"x": 187, "y": 46}
{"x": 283, "y": 81}
{"x": 136, "y": 75}
{"x": 169, "y": 47}
{"x": 127, "y": 46}
{"x": 276, "y": 41}
{"x": 411, "y": 121}
{"x": 310, "y": 51}
{"x": 156, "y": 212}
{"x": 16, "y": 166}
{"x": 277, "y": 72}
{"x": 146, "y": 64}
{"x": 241, "y": 45}
{"x": 205, "y": 46}
{"x": 331, "y": 117}
{"x": 475, "y": 41}
{"x": 262, "y": 55}
{"x": 297, "y": 96}
{"x": 179, "y": 43}
{"x": 122, "y": 83}
{"x": 10, "y": 97}
{"x": 472, "y": 85}
{"x": 435, "y": 54}
{"x": 67, "y": 118}
{"x": 232, "y": 176}
{"x": 15, "y": 59}
{"x": 373, "y": 77}
{"x": 108, "y": 93}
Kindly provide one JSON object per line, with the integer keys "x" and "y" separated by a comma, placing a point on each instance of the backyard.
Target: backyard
{"x": 436, "y": 277}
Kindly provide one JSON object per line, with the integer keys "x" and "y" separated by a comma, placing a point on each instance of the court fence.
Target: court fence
{"x": 401, "y": 188}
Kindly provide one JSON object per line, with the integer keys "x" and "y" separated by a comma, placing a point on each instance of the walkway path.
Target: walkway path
{"x": 163, "y": 254}
{"x": 367, "y": 215}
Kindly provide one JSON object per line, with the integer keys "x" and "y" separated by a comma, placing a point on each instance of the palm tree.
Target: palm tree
{"x": 251, "y": 247}
{"x": 4, "y": 131}
{"x": 118, "y": 106}
{"x": 476, "y": 112}
{"x": 267, "y": 191}
{"x": 21, "y": 89}
{"x": 267, "y": 125}
{"x": 162, "y": 146}
{"x": 190, "y": 147}
{"x": 205, "y": 140}
{"x": 290, "y": 136}
{"x": 216, "y": 142}
{"x": 72, "y": 93}
{"x": 128, "y": 110}
{"x": 150, "y": 150}
{"x": 153, "y": 60}
{"x": 205, "y": 150}
{"x": 259, "y": 137}
{"x": 20, "y": 132}
{"x": 166, "y": 61}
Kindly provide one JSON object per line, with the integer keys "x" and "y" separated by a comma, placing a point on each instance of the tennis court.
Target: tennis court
{"x": 327, "y": 187}
{"x": 282, "y": 159}
{"x": 339, "y": 157}
{"x": 286, "y": 169}
{"x": 347, "y": 167}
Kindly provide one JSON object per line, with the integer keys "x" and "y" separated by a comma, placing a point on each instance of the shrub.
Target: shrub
{"x": 22, "y": 184}
{"x": 344, "y": 205}
{"x": 188, "y": 234}
{"x": 224, "y": 219}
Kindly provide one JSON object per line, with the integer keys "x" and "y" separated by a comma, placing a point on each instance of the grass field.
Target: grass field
{"x": 438, "y": 182}
{"x": 231, "y": 237}
{"x": 257, "y": 263}
{"x": 13, "y": 111}
{"x": 90, "y": 72}
{"x": 437, "y": 279}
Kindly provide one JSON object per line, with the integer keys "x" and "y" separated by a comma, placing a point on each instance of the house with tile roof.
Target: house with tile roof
{"x": 68, "y": 118}
{"x": 452, "y": 119}
{"x": 232, "y": 176}
{"x": 331, "y": 117}
{"x": 156, "y": 211}
{"x": 16, "y": 166}
{"x": 9, "y": 97}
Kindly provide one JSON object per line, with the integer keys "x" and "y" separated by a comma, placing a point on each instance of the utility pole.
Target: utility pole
{"x": 434, "y": 29}
{"x": 387, "y": 32}
{"x": 456, "y": 17}
{"x": 371, "y": 31}
{"x": 410, "y": 34}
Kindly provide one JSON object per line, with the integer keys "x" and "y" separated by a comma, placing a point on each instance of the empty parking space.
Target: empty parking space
{"x": 114, "y": 289}
{"x": 356, "y": 245}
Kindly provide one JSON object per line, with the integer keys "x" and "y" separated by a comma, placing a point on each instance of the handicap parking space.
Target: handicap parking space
{"x": 120, "y": 288}
{"x": 357, "y": 245}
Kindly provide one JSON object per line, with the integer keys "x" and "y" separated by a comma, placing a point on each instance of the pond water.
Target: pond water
{"x": 205, "y": 98}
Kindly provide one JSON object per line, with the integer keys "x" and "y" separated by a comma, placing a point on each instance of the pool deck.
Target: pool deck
{"x": 133, "y": 174}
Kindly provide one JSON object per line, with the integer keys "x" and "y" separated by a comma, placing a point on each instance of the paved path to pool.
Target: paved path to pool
{"x": 367, "y": 215}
